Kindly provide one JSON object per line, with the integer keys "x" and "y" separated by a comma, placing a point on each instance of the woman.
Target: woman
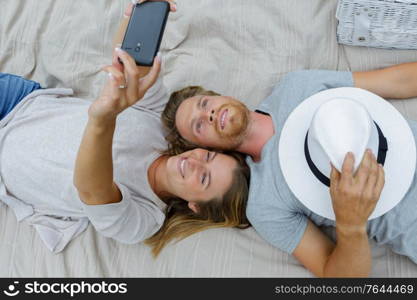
{"x": 118, "y": 181}
{"x": 201, "y": 188}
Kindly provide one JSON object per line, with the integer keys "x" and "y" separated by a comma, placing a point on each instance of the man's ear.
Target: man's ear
{"x": 193, "y": 206}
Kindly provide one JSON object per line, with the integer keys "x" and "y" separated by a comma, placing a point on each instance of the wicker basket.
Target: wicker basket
{"x": 378, "y": 23}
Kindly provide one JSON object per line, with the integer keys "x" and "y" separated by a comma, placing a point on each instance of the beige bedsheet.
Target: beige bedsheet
{"x": 237, "y": 47}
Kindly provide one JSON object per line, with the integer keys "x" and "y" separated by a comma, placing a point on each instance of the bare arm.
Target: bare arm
{"x": 93, "y": 175}
{"x": 350, "y": 257}
{"x": 354, "y": 199}
{"x": 395, "y": 82}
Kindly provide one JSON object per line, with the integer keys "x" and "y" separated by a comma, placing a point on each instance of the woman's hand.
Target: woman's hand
{"x": 124, "y": 87}
{"x": 129, "y": 8}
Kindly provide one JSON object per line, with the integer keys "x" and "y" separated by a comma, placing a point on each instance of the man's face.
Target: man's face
{"x": 218, "y": 122}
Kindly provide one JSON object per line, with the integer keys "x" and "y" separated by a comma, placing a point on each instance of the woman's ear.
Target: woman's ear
{"x": 193, "y": 206}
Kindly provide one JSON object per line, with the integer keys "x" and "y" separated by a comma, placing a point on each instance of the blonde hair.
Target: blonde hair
{"x": 230, "y": 211}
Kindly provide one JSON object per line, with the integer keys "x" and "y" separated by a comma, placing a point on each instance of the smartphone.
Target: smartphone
{"x": 145, "y": 30}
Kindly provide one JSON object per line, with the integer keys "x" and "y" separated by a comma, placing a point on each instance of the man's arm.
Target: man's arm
{"x": 354, "y": 198}
{"x": 396, "y": 82}
{"x": 350, "y": 257}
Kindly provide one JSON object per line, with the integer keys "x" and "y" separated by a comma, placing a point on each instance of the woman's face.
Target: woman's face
{"x": 200, "y": 175}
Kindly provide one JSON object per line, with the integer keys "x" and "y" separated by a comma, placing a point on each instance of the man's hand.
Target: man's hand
{"x": 123, "y": 88}
{"x": 355, "y": 196}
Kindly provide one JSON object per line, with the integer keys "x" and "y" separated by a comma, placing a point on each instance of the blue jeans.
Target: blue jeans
{"x": 12, "y": 90}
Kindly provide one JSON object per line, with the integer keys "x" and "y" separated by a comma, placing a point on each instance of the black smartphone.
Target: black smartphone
{"x": 145, "y": 30}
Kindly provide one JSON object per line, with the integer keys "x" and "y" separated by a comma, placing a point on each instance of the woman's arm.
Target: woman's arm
{"x": 93, "y": 175}
{"x": 94, "y": 165}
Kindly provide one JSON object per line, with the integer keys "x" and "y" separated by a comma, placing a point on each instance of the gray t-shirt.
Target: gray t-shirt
{"x": 39, "y": 141}
{"x": 276, "y": 214}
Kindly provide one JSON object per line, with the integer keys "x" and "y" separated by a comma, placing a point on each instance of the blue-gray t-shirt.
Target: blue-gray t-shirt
{"x": 273, "y": 210}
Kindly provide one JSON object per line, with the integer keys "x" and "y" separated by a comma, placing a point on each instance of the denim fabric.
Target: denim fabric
{"x": 12, "y": 90}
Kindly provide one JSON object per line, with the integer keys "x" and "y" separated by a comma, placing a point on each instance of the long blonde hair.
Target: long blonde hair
{"x": 230, "y": 211}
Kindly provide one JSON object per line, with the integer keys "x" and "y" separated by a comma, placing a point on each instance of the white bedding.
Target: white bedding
{"x": 237, "y": 47}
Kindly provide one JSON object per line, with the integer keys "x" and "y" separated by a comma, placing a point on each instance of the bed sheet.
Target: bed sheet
{"x": 239, "y": 48}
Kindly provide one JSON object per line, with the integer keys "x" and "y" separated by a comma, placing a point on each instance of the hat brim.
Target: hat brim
{"x": 399, "y": 165}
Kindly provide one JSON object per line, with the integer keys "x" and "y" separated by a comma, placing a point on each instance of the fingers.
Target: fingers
{"x": 380, "y": 182}
{"x": 347, "y": 168}
{"x": 115, "y": 75}
{"x": 334, "y": 177}
{"x": 172, "y": 3}
{"x": 131, "y": 71}
{"x": 115, "y": 80}
{"x": 369, "y": 173}
{"x": 334, "y": 182}
{"x": 129, "y": 9}
{"x": 136, "y": 86}
{"x": 364, "y": 168}
{"x": 127, "y": 61}
{"x": 115, "y": 61}
{"x": 147, "y": 81}
{"x": 373, "y": 188}
{"x": 372, "y": 173}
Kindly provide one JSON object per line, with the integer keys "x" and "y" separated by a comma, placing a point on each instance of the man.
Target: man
{"x": 203, "y": 118}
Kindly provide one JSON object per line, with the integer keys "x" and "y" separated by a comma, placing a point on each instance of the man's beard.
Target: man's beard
{"x": 238, "y": 124}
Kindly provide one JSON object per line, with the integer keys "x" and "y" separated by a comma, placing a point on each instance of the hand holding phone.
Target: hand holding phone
{"x": 145, "y": 30}
{"x": 124, "y": 87}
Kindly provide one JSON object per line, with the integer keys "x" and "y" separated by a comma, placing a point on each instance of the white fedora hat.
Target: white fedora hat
{"x": 327, "y": 125}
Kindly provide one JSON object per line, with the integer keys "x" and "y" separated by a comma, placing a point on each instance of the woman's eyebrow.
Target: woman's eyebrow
{"x": 209, "y": 174}
{"x": 209, "y": 179}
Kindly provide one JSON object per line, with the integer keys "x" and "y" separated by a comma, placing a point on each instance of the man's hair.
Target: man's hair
{"x": 228, "y": 211}
{"x": 176, "y": 143}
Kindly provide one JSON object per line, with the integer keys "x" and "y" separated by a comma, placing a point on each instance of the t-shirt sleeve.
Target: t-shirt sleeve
{"x": 310, "y": 82}
{"x": 155, "y": 98}
{"x": 128, "y": 221}
{"x": 295, "y": 87}
{"x": 282, "y": 229}
{"x": 326, "y": 78}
